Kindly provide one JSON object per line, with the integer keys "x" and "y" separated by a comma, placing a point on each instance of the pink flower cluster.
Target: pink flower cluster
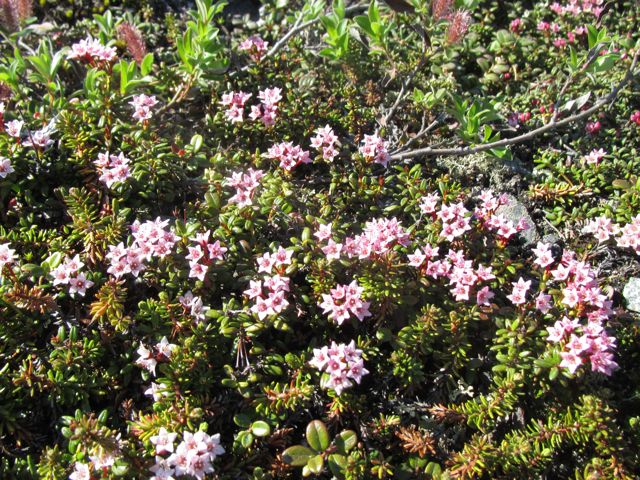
{"x": 255, "y": 46}
{"x": 193, "y": 456}
{"x": 379, "y": 236}
{"x": 602, "y": 228}
{"x": 374, "y": 149}
{"x": 325, "y": 142}
{"x": 150, "y": 240}
{"x": 342, "y": 362}
{"x": 460, "y": 272}
{"x": 635, "y": 117}
{"x": 245, "y": 185}
{"x": 455, "y": 221}
{"x": 5, "y": 167}
{"x": 194, "y": 305}
{"x": 91, "y": 50}
{"x": 344, "y": 301}
{"x": 148, "y": 360}
{"x": 234, "y": 103}
{"x": 202, "y": 254}
{"x": 267, "y": 111}
{"x": 142, "y": 105}
{"x": 112, "y": 168}
{"x": 582, "y": 344}
{"x": 68, "y": 273}
{"x": 268, "y": 295}
{"x": 575, "y": 280}
{"x": 628, "y": 236}
{"x": 580, "y": 291}
{"x": 7, "y": 256}
{"x": 576, "y": 7}
{"x": 289, "y": 155}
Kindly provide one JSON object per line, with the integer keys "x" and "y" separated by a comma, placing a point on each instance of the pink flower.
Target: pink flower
{"x": 323, "y": 232}
{"x": 594, "y": 157}
{"x": 543, "y": 302}
{"x": 245, "y": 185}
{"x": 79, "y": 284}
{"x": 570, "y": 361}
{"x": 267, "y": 111}
{"x": 544, "y": 26}
{"x": 630, "y": 235}
{"x": 593, "y": 128}
{"x": 162, "y": 469}
{"x": 163, "y": 441}
{"x": 484, "y": 296}
{"x": 81, "y": 472}
{"x": 39, "y": 138}
{"x": 429, "y": 202}
{"x": 5, "y": 167}
{"x": 559, "y": 43}
{"x": 14, "y": 127}
{"x": 146, "y": 359}
{"x": 602, "y": 228}
{"x": 515, "y": 25}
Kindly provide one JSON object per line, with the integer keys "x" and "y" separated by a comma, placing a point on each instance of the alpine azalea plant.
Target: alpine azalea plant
{"x": 350, "y": 240}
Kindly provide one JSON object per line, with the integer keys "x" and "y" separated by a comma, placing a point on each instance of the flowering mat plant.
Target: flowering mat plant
{"x": 293, "y": 238}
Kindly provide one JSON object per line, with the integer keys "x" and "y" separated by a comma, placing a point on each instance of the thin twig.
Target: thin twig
{"x": 591, "y": 56}
{"x": 423, "y": 131}
{"x": 297, "y": 27}
{"x": 405, "y": 85}
{"x": 552, "y": 125}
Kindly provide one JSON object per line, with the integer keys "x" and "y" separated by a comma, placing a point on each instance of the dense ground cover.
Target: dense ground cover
{"x": 359, "y": 240}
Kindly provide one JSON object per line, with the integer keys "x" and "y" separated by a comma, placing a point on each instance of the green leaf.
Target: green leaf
{"x": 147, "y": 64}
{"x": 246, "y": 439}
{"x": 317, "y": 436}
{"x": 241, "y": 420}
{"x": 260, "y": 429}
{"x": 196, "y": 142}
{"x": 337, "y": 464}
{"x": 316, "y": 464}
{"x": 297, "y": 455}
{"x": 346, "y": 440}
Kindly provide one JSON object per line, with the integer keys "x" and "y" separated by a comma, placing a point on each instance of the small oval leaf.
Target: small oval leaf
{"x": 346, "y": 440}
{"x": 260, "y": 429}
{"x": 316, "y": 464}
{"x": 317, "y": 435}
{"x": 297, "y": 455}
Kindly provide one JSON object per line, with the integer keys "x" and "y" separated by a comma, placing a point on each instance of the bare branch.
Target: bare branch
{"x": 552, "y": 125}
